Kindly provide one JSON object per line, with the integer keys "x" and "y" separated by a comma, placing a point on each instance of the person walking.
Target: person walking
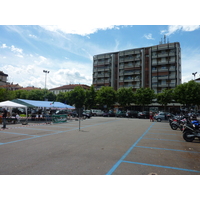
{"x": 4, "y": 118}
{"x": 151, "y": 116}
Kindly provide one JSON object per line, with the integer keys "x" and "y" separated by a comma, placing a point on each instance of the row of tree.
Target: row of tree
{"x": 187, "y": 94}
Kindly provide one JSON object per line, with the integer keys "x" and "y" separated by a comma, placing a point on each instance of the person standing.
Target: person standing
{"x": 4, "y": 117}
{"x": 151, "y": 116}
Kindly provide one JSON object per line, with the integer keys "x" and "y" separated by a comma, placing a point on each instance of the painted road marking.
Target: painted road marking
{"x": 176, "y": 168}
{"x": 167, "y": 149}
{"x": 129, "y": 150}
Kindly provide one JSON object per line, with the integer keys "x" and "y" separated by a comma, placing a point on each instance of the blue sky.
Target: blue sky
{"x": 67, "y": 49}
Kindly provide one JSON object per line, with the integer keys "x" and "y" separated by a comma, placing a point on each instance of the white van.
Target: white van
{"x": 97, "y": 112}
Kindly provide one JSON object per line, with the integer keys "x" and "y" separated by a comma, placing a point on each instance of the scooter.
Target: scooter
{"x": 177, "y": 122}
{"x": 191, "y": 130}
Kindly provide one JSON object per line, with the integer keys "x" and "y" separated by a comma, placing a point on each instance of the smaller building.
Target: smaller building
{"x": 11, "y": 86}
{"x": 67, "y": 88}
{"x": 3, "y": 78}
{"x": 29, "y": 88}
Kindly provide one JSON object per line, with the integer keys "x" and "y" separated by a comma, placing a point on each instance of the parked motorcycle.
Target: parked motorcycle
{"x": 191, "y": 131}
{"x": 177, "y": 122}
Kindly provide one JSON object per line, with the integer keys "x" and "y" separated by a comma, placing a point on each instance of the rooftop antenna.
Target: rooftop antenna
{"x": 161, "y": 41}
{"x": 164, "y": 39}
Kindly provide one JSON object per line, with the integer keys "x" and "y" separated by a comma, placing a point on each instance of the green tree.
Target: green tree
{"x": 125, "y": 96}
{"x": 77, "y": 97}
{"x": 6, "y": 94}
{"x": 188, "y": 93}
{"x": 61, "y": 97}
{"x": 90, "y": 101}
{"x": 20, "y": 94}
{"x": 165, "y": 97}
{"x": 36, "y": 95}
{"x": 106, "y": 96}
{"x": 144, "y": 96}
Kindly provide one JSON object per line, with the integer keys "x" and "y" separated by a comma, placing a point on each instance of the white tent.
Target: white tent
{"x": 11, "y": 105}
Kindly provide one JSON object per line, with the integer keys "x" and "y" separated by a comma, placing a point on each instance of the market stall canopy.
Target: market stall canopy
{"x": 45, "y": 104}
{"x": 11, "y": 104}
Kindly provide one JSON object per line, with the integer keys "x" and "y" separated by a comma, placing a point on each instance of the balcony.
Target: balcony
{"x": 162, "y": 55}
{"x": 172, "y": 69}
{"x": 137, "y": 72}
{"x": 171, "y": 53}
{"x": 136, "y": 86}
{"x": 127, "y": 73}
{"x": 172, "y": 76}
{"x": 172, "y": 61}
{"x": 128, "y": 85}
{"x": 128, "y": 66}
{"x": 107, "y": 80}
{"x": 100, "y": 81}
{"x": 100, "y": 75}
{"x": 106, "y": 75}
{"x": 162, "y": 69}
{"x": 154, "y": 48}
{"x": 162, "y": 62}
{"x": 100, "y": 56}
{"x": 99, "y": 69}
{"x": 128, "y": 79}
{"x": 162, "y": 85}
{"x": 161, "y": 47}
{"x": 162, "y": 77}
{"x": 128, "y": 52}
{"x": 172, "y": 84}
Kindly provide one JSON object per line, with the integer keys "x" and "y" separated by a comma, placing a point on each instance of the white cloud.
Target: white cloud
{"x": 149, "y": 36}
{"x": 82, "y": 29}
{"x": 3, "y": 46}
{"x": 16, "y": 50}
{"x": 174, "y": 28}
{"x": 29, "y": 71}
{"x": 190, "y": 64}
{"x": 32, "y": 36}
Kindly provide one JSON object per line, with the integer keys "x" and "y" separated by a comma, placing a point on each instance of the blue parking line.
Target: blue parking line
{"x": 129, "y": 150}
{"x": 176, "y": 168}
{"x": 167, "y": 149}
{"x": 16, "y": 133}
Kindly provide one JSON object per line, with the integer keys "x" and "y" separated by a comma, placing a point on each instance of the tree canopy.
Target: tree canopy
{"x": 106, "y": 96}
{"x": 125, "y": 96}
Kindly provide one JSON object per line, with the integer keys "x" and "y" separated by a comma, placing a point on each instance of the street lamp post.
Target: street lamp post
{"x": 46, "y": 72}
{"x": 194, "y": 74}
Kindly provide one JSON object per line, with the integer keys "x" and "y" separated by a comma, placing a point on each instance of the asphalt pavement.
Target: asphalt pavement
{"x": 102, "y": 146}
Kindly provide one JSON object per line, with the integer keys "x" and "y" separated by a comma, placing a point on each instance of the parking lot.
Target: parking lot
{"x": 102, "y": 146}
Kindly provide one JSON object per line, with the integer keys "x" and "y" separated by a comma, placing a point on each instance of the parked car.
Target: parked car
{"x": 109, "y": 114}
{"x": 121, "y": 114}
{"x": 99, "y": 113}
{"x": 88, "y": 112}
{"x": 84, "y": 114}
{"x": 143, "y": 114}
{"x": 162, "y": 116}
{"x": 96, "y": 112}
{"x": 132, "y": 113}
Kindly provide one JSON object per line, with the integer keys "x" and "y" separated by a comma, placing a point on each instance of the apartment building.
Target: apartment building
{"x": 157, "y": 67}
